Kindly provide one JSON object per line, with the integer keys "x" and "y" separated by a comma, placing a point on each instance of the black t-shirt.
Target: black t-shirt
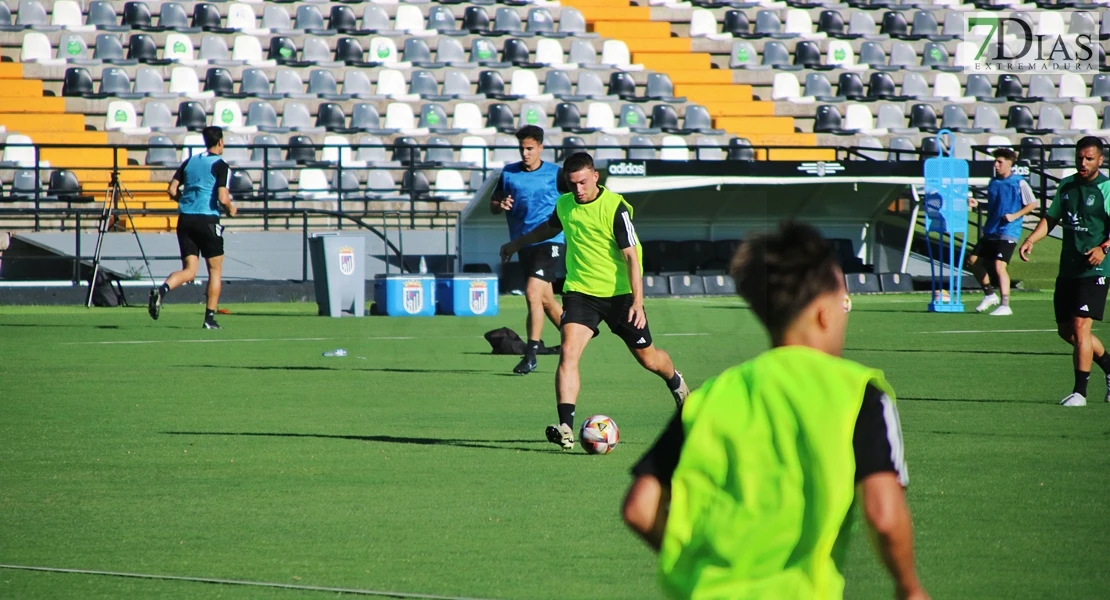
{"x": 877, "y": 442}
{"x": 220, "y": 171}
{"x": 623, "y": 232}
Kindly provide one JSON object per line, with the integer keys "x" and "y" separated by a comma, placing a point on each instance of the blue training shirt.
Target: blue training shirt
{"x": 201, "y": 176}
{"x": 534, "y": 194}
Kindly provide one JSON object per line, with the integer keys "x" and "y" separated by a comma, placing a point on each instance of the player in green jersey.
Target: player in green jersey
{"x": 603, "y": 284}
{"x": 1082, "y": 207}
{"x": 751, "y": 491}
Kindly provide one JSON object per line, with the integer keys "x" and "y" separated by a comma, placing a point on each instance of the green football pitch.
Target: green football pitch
{"x": 417, "y": 465}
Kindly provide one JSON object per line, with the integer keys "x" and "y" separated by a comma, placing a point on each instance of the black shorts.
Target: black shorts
{"x": 1084, "y": 297}
{"x": 591, "y": 311}
{"x": 546, "y": 262}
{"x": 995, "y": 249}
{"x": 200, "y": 235}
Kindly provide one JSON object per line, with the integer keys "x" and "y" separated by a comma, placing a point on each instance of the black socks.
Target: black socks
{"x": 532, "y": 348}
{"x": 1081, "y": 378}
{"x": 988, "y": 289}
{"x": 209, "y": 314}
{"x": 163, "y": 290}
{"x": 674, "y": 382}
{"x": 1104, "y": 362}
{"x": 566, "y": 415}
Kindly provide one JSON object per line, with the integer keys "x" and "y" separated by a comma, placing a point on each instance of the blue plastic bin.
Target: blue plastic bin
{"x": 467, "y": 295}
{"x": 405, "y": 295}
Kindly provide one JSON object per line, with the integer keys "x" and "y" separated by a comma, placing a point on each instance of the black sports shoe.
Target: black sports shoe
{"x": 154, "y": 306}
{"x": 211, "y": 324}
{"x": 526, "y": 365}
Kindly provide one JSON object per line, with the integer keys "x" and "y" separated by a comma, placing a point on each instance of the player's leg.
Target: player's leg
{"x": 535, "y": 293}
{"x": 1005, "y": 252}
{"x": 639, "y": 342}
{"x": 551, "y": 306}
{"x": 215, "y": 286}
{"x": 981, "y": 268}
{"x": 575, "y": 336}
{"x": 190, "y": 260}
{"x": 580, "y": 319}
{"x": 1092, "y": 295}
{"x": 212, "y": 248}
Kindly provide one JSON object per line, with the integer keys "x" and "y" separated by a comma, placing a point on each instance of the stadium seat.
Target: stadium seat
{"x": 654, "y": 285}
{"x": 807, "y": 54}
{"x": 183, "y": 81}
{"x": 840, "y": 53}
{"x": 978, "y": 86}
{"x": 102, "y": 15}
{"x": 71, "y": 48}
{"x": 1009, "y": 87}
{"x": 114, "y": 82}
{"x": 532, "y": 113}
{"x": 161, "y": 152}
{"x": 708, "y": 148}
{"x": 641, "y": 148}
{"x": 872, "y": 53}
{"x": 136, "y": 15}
{"x": 718, "y": 285}
{"x": 66, "y": 15}
{"x": 31, "y": 14}
{"x": 365, "y": 117}
{"x": 440, "y": 19}
{"x": 828, "y": 119}
{"x": 78, "y": 82}
{"x": 515, "y": 51}
{"x": 674, "y": 148}
{"x": 686, "y": 285}
{"x": 901, "y": 149}
{"x": 923, "y": 117}
{"x": 775, "y": 55}
{"x": 741, "y": 149}
{"x": 743, "y": 56}
{"x": 767, "y": 23}
{"x": 120, "y": 116}
{"x": 861, "y": 24}
{"x": 862, "y": 283}
{"x": 241, "y": 17}
{"x": 871, "y": 148}
{"x": 141, "y": 48}
{"x": 415, "y": 185}
{"x": 895, "y": 282}
{"x": 179, "y": 48}
{"x": 218, "y": 81}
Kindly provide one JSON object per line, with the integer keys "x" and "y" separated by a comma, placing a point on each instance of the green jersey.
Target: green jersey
{"x": 596, "y": 232}
{"x": 763, "y": 496}
{"x": 1083, "y": 210}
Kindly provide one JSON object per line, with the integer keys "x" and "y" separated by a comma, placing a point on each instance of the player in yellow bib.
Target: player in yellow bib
{"x": 751, "y": 491}
{"x": 603, "y": 284}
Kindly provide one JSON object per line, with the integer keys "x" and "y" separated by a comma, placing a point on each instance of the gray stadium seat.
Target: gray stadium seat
{"x": 114, "y": 82}
{"x": 901, "y": 149}
{"x": 540, "y": 21}
{"x": 507, "y": 21}
{"x": 356, "y": 84}
{"x": 641, "y": 148}
{"x": 254, "y": 82}
{"x": 161, "y": 152}
{"x": 309, "y": 18}
{"x": 743, "y": 55}
{"x": 441, "y": 19}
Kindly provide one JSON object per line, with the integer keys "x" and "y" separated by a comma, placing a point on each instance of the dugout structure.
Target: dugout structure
{"x": 728, "y": 200}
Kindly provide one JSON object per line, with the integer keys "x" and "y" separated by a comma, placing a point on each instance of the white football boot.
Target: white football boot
{"x": 989, "y": 301}
{"x": 1074, "y": 399}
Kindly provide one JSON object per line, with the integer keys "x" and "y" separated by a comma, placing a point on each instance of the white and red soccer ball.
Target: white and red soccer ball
{"x": 599, "y": 435}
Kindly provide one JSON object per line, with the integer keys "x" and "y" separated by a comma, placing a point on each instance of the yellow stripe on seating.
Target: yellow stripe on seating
{"x": 11, "y": 70}
{"x": 58, "y": 137}
{"x": 706, "y": 76}
{"x": 626, "y": 30}
{"x": 627, "y": 13}
{"x": 32, "y": 105}
{"x": 739, "y": 109}
{"x": 715, "y": 93}
{"x": 579, "y": 4}
{"x": 673, "y": 62}
{"x": 32, "y": 122}
{"x": 746, "y": 125}
{"x": 670, "y": 44}
{"x": 21, "y": 88}
{"x": 65, "y": 158}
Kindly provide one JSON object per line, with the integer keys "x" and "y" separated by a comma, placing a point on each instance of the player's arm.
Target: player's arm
{"x": 649, "y": 496}
{"x": 625, "y": 236}
{"x": 544, "y": 232}
{"x": 500, "y": 202}
{"x": 1044, "y": 226}
{"x": 174, "y": 189}
{"x": 1029, "y": 202}
{"x": 645, "y": 509}
{"x": 222, "y": 173}
{"x": 888, "y": 518}
{"x": 881, "y": 477}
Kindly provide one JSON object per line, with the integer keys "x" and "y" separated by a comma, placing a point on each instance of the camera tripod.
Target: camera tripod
{"x": 115, "y": 195}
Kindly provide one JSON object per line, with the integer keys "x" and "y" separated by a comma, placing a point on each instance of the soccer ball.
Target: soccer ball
{"x": 599, "y": 435}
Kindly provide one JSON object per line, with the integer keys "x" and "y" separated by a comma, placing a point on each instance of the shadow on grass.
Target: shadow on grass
{"x": 61, "y": 325}
{"x": 321, "y": 368}
{"x": 974, "y": 400}
{"x": 954, "y": 351}
{"x": 393, "y": 439}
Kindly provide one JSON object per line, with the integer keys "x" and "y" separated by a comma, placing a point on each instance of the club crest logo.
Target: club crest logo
{"x": 1091, "y": 200}
{"x": 347, "y": 260}
{"x": 479, "y": 297}
{"x": 413, "y": 297}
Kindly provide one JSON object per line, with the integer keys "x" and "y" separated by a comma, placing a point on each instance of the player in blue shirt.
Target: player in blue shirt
{"x": 200, "y": 187}
{"x": 526, "y": 193}
{"x": 1009, "y": 199}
